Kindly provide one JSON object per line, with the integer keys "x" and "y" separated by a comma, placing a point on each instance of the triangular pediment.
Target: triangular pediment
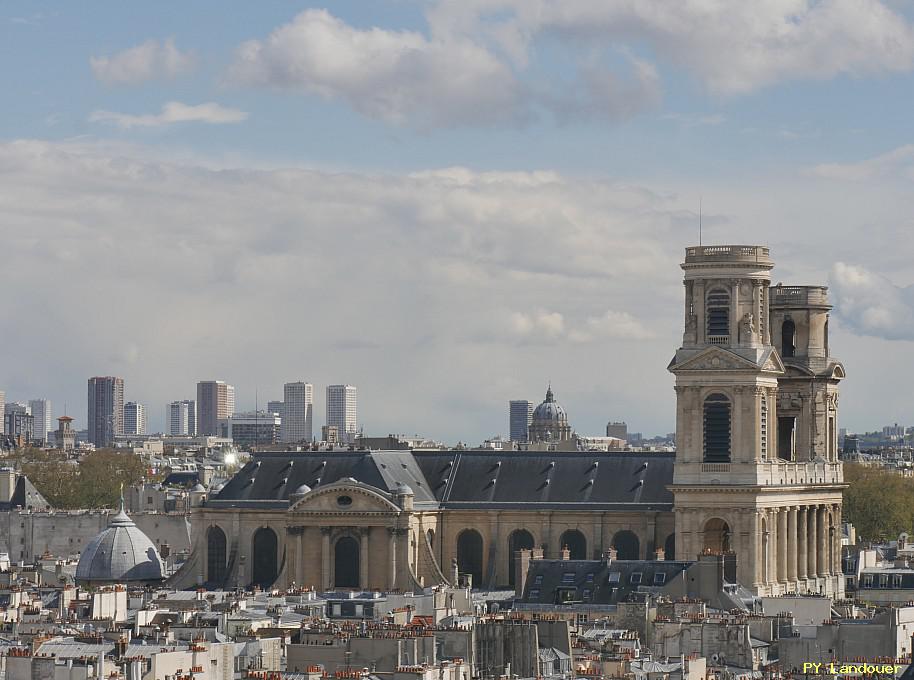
{"x": 720, "y": 359}
{"x": 773, "y": 363}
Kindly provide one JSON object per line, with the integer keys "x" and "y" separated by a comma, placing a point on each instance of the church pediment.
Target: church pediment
{"x": 344, "y": 496}
{"x": 773, "y": 363}
{"x": 718, "y": 359}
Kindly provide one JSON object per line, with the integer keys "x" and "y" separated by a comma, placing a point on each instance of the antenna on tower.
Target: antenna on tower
{"x": 699, "y": 220}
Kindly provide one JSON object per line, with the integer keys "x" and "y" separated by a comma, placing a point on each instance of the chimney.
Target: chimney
{"x": 660, "y": 554}
{"x": 566, "y": 553}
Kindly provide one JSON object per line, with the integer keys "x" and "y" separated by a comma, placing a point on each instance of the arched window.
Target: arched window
{"x": 264, "y": 557}
{"x": 575, "y": 542}
{"x": 718, "y": 316}
{"x": 788, "y": 331}
{"x": 717, "y": 536}
{"x": 430, "y": 535}
{"x": 346, "y": 563}
{"x": 669, "y": 547}
{"x": 215, "y": 556}
{"x": 717, "y": 429}
{"x": 763, "y": 427}
{"x": 627, "y": 545}
{"x": 469, "y": 555}
{"x": 518, "y": 540}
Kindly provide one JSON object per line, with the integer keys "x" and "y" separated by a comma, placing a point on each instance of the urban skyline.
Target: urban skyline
{"x": 462, "y": 247}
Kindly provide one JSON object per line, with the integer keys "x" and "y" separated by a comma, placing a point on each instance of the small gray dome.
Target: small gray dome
{"x": 302, "y": 490}
{"x": 199, "y": 488}
{"x": 403, "y": 489}
{"x": 121, "y": 553}
{"x": 550, "y": 409}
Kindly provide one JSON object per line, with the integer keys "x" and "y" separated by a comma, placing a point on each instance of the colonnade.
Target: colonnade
{"x": 799, "y": 543}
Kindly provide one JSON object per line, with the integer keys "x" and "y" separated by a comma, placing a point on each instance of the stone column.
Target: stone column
{"x": 363, "y": 557}
{"x": 753, "y": 525}
{"x": 792, "y": 544}
{"x": 325, "y": 557}
{"x": 821, "y": 538}
{"x": 392, "y": 556}
{"x": 293, "y": 570}
{"x": 782, "y": 544}
{"x": 836, "y": 553}
{"x": 802, "y": 530}
{"x": 812, "y": 568}
{"x": 768, "y": 542}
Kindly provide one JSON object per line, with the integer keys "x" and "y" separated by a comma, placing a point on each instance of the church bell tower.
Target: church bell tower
{"x": 742, "y": 486}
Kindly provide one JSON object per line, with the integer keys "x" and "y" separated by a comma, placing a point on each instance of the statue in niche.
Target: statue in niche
{"x": 746, "y": 327}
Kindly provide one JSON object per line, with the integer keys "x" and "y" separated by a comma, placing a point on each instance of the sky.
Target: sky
{"x": 448, "y": 203}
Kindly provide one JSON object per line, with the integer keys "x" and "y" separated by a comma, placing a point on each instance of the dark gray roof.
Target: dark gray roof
{"x": 465, "y": 479}
{"x": 25, "y": 496}
{"x": 553, "y": 582}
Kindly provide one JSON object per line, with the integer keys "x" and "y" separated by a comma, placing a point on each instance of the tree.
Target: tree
{"x": 93, "y": 482}
{"x": 879, "y": 503}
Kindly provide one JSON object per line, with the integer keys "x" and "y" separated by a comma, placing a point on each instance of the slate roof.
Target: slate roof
{"x": 552, "y": 582}
{"x": 622, "y": 481}
{"x": 25, "y": 496}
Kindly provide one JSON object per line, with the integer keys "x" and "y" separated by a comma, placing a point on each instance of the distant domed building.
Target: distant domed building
{"x": 122, "y": 553}
{"x": 550, "y": 421}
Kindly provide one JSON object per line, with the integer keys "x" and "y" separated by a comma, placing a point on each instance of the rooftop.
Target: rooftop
{"x": 756, "y": 254}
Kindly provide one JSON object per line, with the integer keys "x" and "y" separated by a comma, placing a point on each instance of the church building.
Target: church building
{"x": 755, "y": 476}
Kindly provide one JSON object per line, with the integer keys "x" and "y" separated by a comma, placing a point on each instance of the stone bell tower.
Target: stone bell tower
{"x": 734, "y": 492}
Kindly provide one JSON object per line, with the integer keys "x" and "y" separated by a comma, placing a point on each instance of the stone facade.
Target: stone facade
{"x": 400, "y": 520}
{"x": 739, "y": 485}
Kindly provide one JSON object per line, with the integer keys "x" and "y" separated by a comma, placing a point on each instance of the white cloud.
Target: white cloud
{"x": 612, "y": 324}
{"x": 391, "y": 75}
{"x": 148, "y": 61}
{"x": 476, "y": 64}
{"x": 169, "y": 272}
{"x": 871, "y": 304}
{"x": 404, "y": 77}
{"x": 895, "y": 163}
{"x": 538, "y": 326}
{"x": 171, "y": 113}
{"x": 731, "y": 47}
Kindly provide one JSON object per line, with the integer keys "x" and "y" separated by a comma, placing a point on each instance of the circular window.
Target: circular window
{"x": 344, "y": 501}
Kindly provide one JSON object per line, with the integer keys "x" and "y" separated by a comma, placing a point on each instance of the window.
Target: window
{"x": 896, "y": 580}
{"x": 763, "y": 418}
{"x": 659, "y": 578}
{"x": 867, "y": 580}
{"x": 883, "y": 580}
{"x": 614, "y": 577}
{"x": 788, "y": 331}
{"x": 538, "y": 580}
{"x": 586, "y": 594}
{"x": 717, "y": 429}
{"x": 590, "y": 577}
{"x": 635, "y": 578}
{"x": 568, "y": 577}
{"x": 786, "y": 437}
{"x": 718, "y": 316}
{"x": 534, "y": 593}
